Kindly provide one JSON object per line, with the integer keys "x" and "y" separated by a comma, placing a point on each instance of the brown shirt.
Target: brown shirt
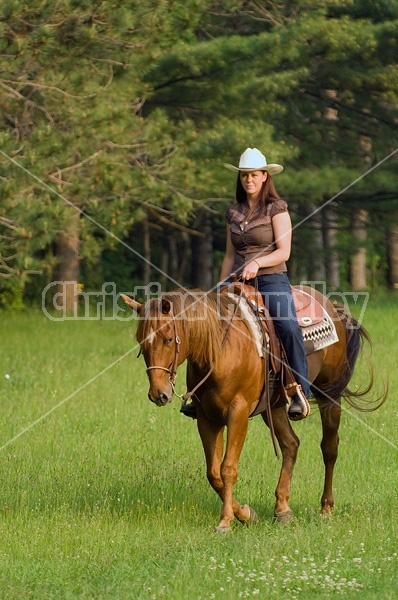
{"x": 254, "y": 237}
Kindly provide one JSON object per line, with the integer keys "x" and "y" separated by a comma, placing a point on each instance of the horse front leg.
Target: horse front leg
{"x": 212, "y": 437}
{"x": 237, "y": 424}
{"x": 289, "y": 444}
{"x": 222, "y": 473}
{"x": 330, "y": 416}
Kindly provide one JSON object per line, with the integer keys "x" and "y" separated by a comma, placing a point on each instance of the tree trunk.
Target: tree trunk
{"x": 306, "y": 263}
{"x": 147, "y": 253}
{"x": 164, "y": 265}
{"x": 177, "y": 258}
{"x": 358, "y": 261}
{"x": 329, "y": 227}
{"x": 185, "y": 254}
{"x": 393, "y": 255}
{"x": 173, "y": 260}
{"x": 202, "y": 255}
{"x": 67, "y": 249}
{"x": 317, "y": 265}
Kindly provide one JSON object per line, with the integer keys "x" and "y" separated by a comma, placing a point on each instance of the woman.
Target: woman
{"x": 259, "y": 234}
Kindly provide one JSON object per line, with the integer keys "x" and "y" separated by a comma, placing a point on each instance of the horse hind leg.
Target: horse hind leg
{"x": 330, "y": 411}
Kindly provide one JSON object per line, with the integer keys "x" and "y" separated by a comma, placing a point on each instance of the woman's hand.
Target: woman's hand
{"x": 250, "y": 270}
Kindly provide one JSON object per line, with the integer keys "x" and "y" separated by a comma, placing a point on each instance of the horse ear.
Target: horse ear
{"x": 132, "y": 303}
{"x": 166, "y": 306}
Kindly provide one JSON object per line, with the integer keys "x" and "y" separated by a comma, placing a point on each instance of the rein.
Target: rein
{"x": 172, "y": 370}
{"x": 266, "y": 391}
{"x": 189, "y": 395}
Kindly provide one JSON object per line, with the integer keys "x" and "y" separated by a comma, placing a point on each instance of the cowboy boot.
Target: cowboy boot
{"x": 299, "y": 407}
{"x": 189, "y": 410}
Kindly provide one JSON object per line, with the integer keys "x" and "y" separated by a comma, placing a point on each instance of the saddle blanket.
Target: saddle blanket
{"x": 320, "y": 335}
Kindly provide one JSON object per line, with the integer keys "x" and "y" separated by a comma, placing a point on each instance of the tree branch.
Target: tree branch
{"x": 20, "y": 96}
{"x": 163, "y": 219}
{"x": 55, "y": 176}
{"x": 334, "y": 103}
{"x": 53, "y": 88}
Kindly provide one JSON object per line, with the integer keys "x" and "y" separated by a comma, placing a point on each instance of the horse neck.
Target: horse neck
{"x": 201, "y": 346}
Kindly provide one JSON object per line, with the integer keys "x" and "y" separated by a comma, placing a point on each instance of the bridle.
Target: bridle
{"x": 172, "y": 370}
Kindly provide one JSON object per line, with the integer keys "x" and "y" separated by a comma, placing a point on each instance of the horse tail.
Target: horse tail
{"x": 356, "y": 336}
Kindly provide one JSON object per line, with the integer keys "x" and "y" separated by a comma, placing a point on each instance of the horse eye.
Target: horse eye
{"x": 168, "y": 340}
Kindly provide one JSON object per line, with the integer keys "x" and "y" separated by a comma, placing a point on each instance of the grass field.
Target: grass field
{"x": 104, "y": 495}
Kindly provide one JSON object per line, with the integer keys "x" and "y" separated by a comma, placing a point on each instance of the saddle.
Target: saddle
{"x": 309, "y": 311}
{"x": 316, "y": 325}
{"x": 309, "y": 314}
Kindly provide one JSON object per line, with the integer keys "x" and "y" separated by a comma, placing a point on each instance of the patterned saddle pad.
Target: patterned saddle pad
{"x": 316, "y": 325}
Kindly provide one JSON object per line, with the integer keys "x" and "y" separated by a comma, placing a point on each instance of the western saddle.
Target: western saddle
{"x": 310, "y": 315}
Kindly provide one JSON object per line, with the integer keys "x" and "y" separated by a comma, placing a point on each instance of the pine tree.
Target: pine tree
{"x": 312, "y": 84}
{"x": 128, "y": 112}
{"x": 73, "y": 134}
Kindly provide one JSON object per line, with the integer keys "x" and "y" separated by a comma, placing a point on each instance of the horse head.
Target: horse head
{"x": 159, "y": 343}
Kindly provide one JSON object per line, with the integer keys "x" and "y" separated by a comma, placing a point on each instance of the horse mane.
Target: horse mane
{"x": 201, "y": 319}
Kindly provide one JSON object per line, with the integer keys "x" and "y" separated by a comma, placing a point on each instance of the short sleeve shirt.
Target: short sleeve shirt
{"x": 255, "y": 237}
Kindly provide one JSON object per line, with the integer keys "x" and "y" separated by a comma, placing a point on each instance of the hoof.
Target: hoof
{"x": 253, "y": 518}
{"x": 222, "y": 529}
{"x": 285, "y": 517}
{"x": 326, "y": 508}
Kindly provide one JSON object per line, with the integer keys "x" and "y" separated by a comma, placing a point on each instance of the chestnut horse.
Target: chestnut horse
{"x": 222, "y": 356}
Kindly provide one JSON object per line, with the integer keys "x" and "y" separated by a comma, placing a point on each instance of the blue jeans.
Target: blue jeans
{"x": 277, "y": 295}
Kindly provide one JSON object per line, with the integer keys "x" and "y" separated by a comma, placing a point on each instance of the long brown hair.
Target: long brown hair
{"x": 268, "y": 191}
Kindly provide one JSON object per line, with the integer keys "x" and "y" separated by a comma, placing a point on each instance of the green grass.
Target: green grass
{"x": 106, "y": 496}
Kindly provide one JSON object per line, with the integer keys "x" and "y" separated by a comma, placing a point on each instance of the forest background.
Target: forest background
{"x": 116, "y": 119}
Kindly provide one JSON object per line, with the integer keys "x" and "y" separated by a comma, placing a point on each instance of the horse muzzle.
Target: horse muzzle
{"x": 160, "y": 398}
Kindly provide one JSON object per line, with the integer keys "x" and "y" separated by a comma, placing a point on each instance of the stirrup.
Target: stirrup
{"x": 299, "y": 407}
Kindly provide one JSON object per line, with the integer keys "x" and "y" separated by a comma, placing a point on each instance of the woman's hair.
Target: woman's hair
{"x": 268, "y": 191}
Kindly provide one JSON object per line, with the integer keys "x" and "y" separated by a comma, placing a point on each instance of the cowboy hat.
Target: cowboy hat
{"x": 253, "y": 160}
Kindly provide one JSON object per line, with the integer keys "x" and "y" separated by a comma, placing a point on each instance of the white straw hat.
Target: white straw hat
{"x": 253, "y": 160}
